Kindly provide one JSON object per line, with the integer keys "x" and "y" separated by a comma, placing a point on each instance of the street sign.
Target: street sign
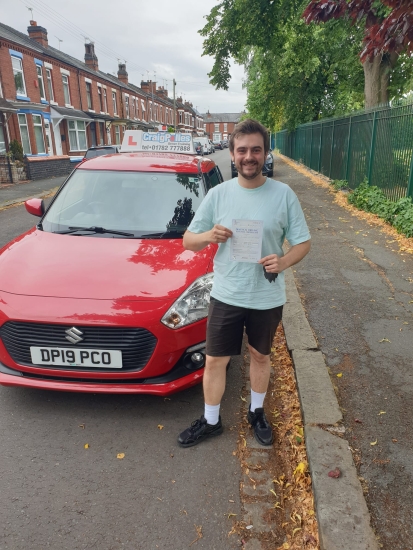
{"x": 163, "y": 142}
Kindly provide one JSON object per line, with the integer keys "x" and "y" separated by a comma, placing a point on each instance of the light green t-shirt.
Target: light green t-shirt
{"x": 243, "y": 284}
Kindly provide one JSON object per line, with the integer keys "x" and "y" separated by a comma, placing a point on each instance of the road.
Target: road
{"x": 57, "y": 494}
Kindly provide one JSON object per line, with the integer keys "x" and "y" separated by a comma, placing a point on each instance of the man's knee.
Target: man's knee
{"x": 213, "y": 363}
{"x": 259, "y": 358}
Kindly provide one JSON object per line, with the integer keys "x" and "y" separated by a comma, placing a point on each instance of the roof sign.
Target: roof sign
{"x": 164, "y": 142}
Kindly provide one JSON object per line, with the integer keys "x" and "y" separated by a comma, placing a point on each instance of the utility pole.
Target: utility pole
{"x": 174, "y": 84}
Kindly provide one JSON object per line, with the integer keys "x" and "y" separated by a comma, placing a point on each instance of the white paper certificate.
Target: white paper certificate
{"x": 246, "y": 241}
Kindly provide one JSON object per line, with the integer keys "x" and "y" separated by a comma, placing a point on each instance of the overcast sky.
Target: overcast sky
{"x": 152, "y": 35}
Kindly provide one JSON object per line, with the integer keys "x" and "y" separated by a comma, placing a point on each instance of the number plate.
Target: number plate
{"x": 76, "y": 357}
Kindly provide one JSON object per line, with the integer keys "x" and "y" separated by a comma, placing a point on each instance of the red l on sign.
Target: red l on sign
{"x": 131, "y": 142}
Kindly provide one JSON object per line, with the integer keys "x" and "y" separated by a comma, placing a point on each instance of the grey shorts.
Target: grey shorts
{"x": 225, "y": 328}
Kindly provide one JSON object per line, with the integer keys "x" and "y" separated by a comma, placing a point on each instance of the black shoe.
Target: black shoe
{"x": 198, "y": 431}
{"x": 262, "y": 429}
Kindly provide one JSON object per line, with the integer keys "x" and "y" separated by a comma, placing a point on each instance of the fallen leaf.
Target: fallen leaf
{"x": 198, "y": 529}
{"x": 373, "y": 443}
{"x": 82, "y": 426}
{"x": 243, "y": 399}
{"x": 86, "y": 445}
{"x": 160, "y": 427}
{"x": 339, "y": 375}
{"x": 231, "y": 515}
{"x": 249, "y": 527}
{"x": 336, "y": 473}
{"x": 296, "y": 529}
{"x": 394, "y": 440}
{"x": 301, "y": 468}
{"x": 120, "y": 456}
{"x": 381, "y": 412}
{"x": 385, "y": 340}
{"x": 358, "y": 420}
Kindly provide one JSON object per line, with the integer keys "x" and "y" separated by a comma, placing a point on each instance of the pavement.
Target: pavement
{"x": 356, "y": 267}
{"x": 16, "y": 193}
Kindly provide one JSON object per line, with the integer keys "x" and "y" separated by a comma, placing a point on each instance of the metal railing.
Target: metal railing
{"x": 376, "y": 144}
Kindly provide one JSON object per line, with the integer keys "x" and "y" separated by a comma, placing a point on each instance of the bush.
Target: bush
{"x": 340, "y": 185}
{"x": 16, "y": 149}
{"x": 372, "y": 199}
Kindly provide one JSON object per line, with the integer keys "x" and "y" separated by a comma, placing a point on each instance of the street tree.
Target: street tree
{"x": 388, "y": 33}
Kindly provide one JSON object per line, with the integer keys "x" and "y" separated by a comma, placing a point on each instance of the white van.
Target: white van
{"x": 205, "y": 145}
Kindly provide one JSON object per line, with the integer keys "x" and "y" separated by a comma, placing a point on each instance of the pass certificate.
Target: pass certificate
{"x": 246, "y": 241}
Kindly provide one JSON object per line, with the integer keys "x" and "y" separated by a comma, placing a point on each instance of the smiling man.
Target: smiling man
{"x": 247, "y": 291}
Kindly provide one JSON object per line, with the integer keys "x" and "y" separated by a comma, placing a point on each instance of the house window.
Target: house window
{"x": 117, "y": 135}
{"x": 2, "y": 139}
{"x": 225, "y": 127}
{"x": 105, "y": 100}
{"x": 150, "y": 111}
{"x": 127, "y": 106}
{"x": 66, "y": 91}
{"x": 132, "y": 107}
{"x": 77, "y": 135}
{"x": 18, "y": 75}
{"x": 216, "y": 127}
{"x": 101, "y": 106}
{"x": 40, "y": 81}
{"x": 101, "y": 133}
{"x": 49, "y": 84}
{"x": 115, "y": 107}
{"x": 143, "y": 110}
{"x": 89, "y": 95}
{"x": 180, "y": 117}
{"x": 24, "y": 132}
{"x": 38, "y": 133}
{"x": 205, "y": 127}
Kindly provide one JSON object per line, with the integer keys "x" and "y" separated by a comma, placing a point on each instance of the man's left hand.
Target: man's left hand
{"x": 272, "y": 263}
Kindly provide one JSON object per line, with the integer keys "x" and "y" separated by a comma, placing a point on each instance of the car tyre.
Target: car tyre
{"x": 270, "y": 174}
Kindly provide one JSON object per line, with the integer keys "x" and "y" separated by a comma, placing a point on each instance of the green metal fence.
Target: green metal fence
{"x": 377, "y": 145}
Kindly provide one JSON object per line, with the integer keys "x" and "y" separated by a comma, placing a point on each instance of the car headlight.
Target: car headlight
{"x": 269, "y": 157}
{"x": 192, "y": 305}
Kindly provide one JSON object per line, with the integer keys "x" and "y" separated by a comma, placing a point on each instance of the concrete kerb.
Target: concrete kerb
{"x": 342, "y": 514}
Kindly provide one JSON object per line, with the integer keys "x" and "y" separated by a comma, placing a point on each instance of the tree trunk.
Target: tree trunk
{"x": 372, "y": 82}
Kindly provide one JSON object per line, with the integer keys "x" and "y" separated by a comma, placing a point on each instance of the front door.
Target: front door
{"x": 92, "y": 127}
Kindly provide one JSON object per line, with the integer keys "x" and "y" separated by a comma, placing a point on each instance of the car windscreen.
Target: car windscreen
{"x": 140, "y": 203}
{"x": 92, "y": 153}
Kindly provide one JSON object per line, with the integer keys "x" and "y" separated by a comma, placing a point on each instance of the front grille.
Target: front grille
{"x": 136, "y": 344}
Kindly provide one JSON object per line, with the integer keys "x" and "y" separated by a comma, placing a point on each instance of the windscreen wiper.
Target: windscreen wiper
{"x": 95, "y": 229}
{"x": 163, "y": 234}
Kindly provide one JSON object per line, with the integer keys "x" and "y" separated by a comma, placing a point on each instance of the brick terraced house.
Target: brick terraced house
{"x": 220, "y": 125}
{"x": 57, "y": 106}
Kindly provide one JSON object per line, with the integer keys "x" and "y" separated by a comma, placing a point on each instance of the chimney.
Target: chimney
{"x": 162, "y": 92}
{"x": 179, "y": 99}
{"x": 122, "y": 73}
{"x": 90, "y": 57}
{"x": 38, "y": 33}
{"x": 145, "y": 86}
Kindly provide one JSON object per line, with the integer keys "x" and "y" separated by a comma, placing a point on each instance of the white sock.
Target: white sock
{"x": 257, "y": 400}
{"x": 211, "y": 414}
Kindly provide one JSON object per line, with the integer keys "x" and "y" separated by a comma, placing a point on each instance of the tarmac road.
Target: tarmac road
{"x": 56, "y": 494}
{"x": 356, "y": 288}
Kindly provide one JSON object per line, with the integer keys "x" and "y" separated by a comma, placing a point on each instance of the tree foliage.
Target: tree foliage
{"x": 297, "y": 72}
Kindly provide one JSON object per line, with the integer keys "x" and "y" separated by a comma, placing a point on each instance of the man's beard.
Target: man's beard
{"x": 251, "y": 175}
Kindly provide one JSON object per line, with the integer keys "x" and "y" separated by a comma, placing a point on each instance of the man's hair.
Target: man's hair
{"x": 249, "y": 126}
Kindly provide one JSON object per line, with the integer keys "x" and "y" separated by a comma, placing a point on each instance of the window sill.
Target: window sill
{"x": 44, "y": 101}
{"x": 54, "y": 103}
{"x": 91, "y": 111}
{"x": 22, "y": 97}
{"x": 69, "y": 106}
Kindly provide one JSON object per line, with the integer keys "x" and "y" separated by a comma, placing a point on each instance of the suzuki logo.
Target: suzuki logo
{"x": 74, "y": 335}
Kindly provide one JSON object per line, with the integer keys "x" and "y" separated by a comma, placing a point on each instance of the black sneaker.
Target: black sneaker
{"x": 198, "y": 431}
{"x": 262, "y": 429}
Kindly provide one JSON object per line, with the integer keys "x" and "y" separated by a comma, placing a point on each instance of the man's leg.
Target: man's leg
{"x": 260, "y": 370}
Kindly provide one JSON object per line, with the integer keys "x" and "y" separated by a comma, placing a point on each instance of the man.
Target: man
{"x": 245, "y": 293}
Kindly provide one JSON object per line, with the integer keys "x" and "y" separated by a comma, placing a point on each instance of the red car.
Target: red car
{"x": 101, "y": 296}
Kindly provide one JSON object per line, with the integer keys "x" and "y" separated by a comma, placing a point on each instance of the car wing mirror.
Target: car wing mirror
{"x": 35, "y": 207}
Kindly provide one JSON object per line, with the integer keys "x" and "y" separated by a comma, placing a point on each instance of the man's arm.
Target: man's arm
{"x": 198, "y": 241}
{"x": 276, "y": 264}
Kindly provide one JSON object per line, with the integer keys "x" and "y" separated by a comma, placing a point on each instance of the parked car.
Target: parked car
{"x": 101, "y": 150}
{"x": 100, "y": 296}
{"x": 218, "y": 144}
{"x": 224, "y": 142}
{"x": 205, "y": 144}
{"x": 267, "y": 170}
{"x": 199, "y": 150}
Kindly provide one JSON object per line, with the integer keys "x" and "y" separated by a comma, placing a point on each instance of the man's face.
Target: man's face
{"x": 249, "y": 155}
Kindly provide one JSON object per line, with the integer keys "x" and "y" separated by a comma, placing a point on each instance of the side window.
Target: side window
{"x": 214, "y": 177}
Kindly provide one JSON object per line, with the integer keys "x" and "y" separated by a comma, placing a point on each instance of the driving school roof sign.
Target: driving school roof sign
{"x": 164, "y": 142}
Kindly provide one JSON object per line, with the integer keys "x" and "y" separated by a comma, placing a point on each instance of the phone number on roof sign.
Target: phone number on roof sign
{"x": 169, "y": 147}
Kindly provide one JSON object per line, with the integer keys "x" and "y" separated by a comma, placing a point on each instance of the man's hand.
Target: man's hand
{"x": 219, "y": 234}
{"x": 272, "y": 263}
